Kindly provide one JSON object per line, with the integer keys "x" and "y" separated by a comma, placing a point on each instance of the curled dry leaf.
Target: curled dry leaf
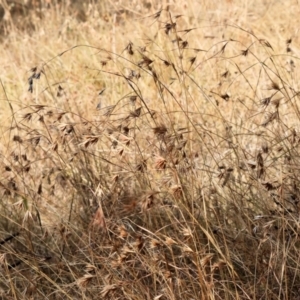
{"x": 85, "y": 280}
{"x": 170, "y": 241}
{"x": 160, "y": 163}
{"x": 154, "y": 243}
{"x": 207, "y": 259}
{"x": 99, "y": 219}
{"x": 107, "y": 289}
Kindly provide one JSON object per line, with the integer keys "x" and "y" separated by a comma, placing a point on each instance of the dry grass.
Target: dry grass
{"x": 150, "y": 152}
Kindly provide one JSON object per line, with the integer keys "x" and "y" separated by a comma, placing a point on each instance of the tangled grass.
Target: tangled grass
{"x": 156, "y": 156}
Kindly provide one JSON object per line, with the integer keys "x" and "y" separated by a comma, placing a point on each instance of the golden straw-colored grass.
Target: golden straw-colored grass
{"x": 149, "y": 150}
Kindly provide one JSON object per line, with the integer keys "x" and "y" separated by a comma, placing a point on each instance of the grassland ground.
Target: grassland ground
{"x": 149, "y": 150}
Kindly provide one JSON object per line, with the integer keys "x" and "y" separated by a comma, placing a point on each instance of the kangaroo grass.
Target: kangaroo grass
{"x": 166, "y": 168}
